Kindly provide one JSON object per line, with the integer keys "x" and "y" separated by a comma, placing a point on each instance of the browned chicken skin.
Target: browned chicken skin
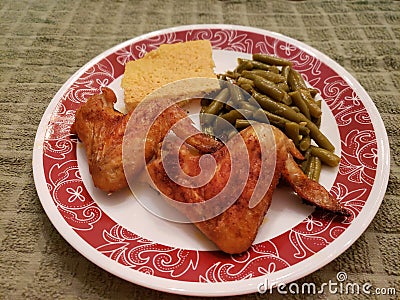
{"x": 235, "y": 229}
{"x": 309, "y": 190}
{"x": 101, "y": 129}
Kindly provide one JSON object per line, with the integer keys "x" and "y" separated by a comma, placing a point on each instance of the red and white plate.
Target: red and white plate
{"x": 119, "y": 235}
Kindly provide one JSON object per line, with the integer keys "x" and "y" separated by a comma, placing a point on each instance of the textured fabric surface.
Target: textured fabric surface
{"x": 42, "y": 43}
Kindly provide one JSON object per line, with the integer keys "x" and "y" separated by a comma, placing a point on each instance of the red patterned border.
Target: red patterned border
{"x": 352, "y": 186}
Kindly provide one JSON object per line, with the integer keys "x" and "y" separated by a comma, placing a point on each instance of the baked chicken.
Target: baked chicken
{"x": 234, "y": 229}
{"x": 101, "y": 129}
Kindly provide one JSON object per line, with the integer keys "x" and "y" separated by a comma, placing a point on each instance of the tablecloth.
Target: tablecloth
{"x": 45, "y": 42}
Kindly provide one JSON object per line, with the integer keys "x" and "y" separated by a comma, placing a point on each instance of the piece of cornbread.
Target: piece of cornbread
{"x": 170, "y": 63}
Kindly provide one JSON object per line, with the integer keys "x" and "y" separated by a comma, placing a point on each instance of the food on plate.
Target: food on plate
{"x": 274, "y": 86}
{"x": 235, "y": 229}
{"x": 101, "y": 129}
{"x": 169, "y": 63}
{"x": 271, "y": 89}
{"x": 309, "y": 189}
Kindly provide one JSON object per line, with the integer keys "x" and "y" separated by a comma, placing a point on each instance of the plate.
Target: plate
{"x": 117, "y": 234}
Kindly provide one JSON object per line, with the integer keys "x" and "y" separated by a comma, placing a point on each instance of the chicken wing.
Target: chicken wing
{"x": 102, "y": 129}
{"x": 235, "y": 229}
{"x": 309, "y": 190}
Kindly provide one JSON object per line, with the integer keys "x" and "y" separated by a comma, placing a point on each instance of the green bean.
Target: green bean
{"x": 232, "y": 116}
{"x": 295, "y": 108}
{"x": 307, "y": 167}
{"x": 314, "y": 169}
{"x": 304, "y": 130}
{"x": 299, "y": 78}
{"x": 268, "y": 75}
{"x": 207, "y": 119}
{"x": 268, "y": 87}
{"x": 283, "y": 86}
{"x": 247, "y": 105}
{"x": 317, "y": 121}
{"x": 305, "y": 164}
{"x": 327, "y": 157}
{"x": 277, "y": 108}
{"x": 233, "y": 75}
{"x": 218, "y": 102}
{"x": 260, "y": 65}
{"x": 229, "y": 105}
{"x": 221, "y": 128}
{"x": 249, "y": 75}
{"x": 253, "y": 102}
{"x": 305, "y": 143}
{"x": 236, "y": 94}
{"x": 317, "y": 135}
{"x": 274, "y": 69}
{"x": 217, "y": 127}
{"x": 295, "y": 81}
{"x": 271, "y": 90}
{"x": 271, "y": 60}
{"x": 244, "y": 65}
{"x": 247, "y": 114}
{"x": 299, "y": 102}
{"x": 247, "y": 87}
{"x": 243, "y": 80}
{"x": 277, "y": 121}
{"x": 313, "y": 92}
{"x": 241, "y": 124}
{"x": 285, "y": 72}
{"x": 292, "y": 131}
{"x": 245, "y": 84}
{"x": 310, "y": 167}
{"x": 259, "y": 116}
{"x": 315, "y": 110}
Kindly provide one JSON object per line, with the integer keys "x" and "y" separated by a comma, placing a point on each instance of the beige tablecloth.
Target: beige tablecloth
{"x": 44, "y": 42}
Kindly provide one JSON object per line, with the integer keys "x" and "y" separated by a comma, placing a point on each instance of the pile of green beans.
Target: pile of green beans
{"x": 285, "y": 100}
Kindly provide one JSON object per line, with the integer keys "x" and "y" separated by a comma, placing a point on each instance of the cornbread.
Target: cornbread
{"x": 170, "y": 63}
